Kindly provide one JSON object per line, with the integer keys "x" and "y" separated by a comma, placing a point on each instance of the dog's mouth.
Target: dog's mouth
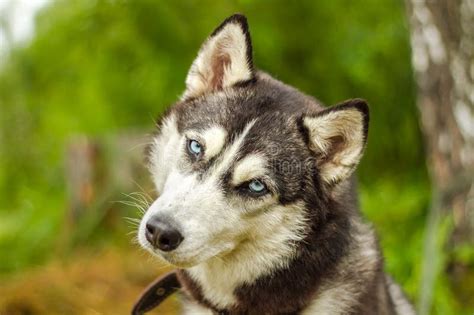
{"x": 189, "y": 257}
{"x": 182, "y": 260}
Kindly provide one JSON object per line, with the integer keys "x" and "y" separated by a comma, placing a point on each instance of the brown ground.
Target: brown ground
{"x": 106, "y": 282}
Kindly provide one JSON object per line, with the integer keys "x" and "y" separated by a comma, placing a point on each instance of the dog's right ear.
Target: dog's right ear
{"x": 337, "y": 136}
{"x": 225, "y": 59}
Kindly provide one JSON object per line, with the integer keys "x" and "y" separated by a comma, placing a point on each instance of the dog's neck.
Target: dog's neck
{"x": 268, "y": 278}
{"x": 218, "y": 278}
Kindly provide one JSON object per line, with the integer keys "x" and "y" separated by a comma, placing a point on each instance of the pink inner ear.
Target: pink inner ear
{"x": 218, "y": 65}
{"x": 337, "y": 144}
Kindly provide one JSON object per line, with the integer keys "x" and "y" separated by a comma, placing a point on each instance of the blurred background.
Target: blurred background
{"x": 82, "y": 82}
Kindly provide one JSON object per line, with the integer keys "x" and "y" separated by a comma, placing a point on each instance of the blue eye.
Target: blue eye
{"x": 194, "y": 147}
{"x": 257, "y": 186}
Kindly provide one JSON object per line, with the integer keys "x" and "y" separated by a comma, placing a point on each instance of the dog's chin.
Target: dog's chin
{"x": 189, "y": 258}
{"x": 176, "y": 259}
{"x": 172, "y": 259}
{"x": 180, "y": 260}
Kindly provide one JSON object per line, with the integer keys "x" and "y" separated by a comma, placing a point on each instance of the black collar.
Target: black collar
{"x": 156, "y": 293}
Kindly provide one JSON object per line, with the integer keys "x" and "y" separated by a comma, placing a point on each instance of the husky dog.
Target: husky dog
{"x": 257, "y": 206}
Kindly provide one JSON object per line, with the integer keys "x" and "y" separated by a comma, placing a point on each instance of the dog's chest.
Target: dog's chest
{"x": 213, "y": 285}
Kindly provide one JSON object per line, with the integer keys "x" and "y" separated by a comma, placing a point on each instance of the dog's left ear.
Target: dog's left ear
{"x": 225, "y": 59}
{"x": 337, "y": 136}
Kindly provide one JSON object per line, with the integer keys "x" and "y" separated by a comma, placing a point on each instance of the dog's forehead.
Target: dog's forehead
{"x": 234, "y": 107}
{"x": 274, "y": 134}
{"x": 233, "y": 112}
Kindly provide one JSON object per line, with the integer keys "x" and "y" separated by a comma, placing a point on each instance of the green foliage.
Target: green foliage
{"x": 97, "y": 67}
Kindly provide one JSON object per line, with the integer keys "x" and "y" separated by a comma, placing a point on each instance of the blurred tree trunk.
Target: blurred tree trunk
{"x": 442, "y": 39}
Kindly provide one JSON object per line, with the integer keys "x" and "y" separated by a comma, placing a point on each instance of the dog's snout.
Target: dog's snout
{"x": 162, "y": 235}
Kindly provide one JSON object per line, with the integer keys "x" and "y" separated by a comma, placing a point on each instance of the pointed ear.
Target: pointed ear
{"x": 224, "y": 59}
{"x": 337, "y": 136}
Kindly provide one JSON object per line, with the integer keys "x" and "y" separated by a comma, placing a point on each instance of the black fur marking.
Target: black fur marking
{"x": 302, "y": 129}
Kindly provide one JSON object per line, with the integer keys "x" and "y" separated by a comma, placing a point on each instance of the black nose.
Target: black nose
{"x": 162, "y": 235}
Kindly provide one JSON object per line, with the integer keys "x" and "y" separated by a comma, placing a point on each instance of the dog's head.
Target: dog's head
{"x": 243, "y": 162}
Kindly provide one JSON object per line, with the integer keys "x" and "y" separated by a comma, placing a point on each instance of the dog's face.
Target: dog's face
{"x": 242, "y": 159}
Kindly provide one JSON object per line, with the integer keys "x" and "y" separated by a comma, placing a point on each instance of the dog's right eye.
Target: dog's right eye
{"x": 194, "y": 147}
{"x": 257, "y": 186}
{"x": 254, "y": 188}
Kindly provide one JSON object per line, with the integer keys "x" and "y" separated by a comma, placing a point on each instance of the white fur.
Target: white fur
{"x": 402, "y": 307}
{"x": 347, "y": 124}
{"x": 214, "y": 138}
{"x": 192, "y": 308}
{"x": 252, "y": 166}
{"x": 165, "y": 148}
{"x": 229, "y": 43}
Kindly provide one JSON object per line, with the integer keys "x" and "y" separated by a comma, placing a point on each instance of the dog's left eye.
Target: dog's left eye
{"x": 194, "y": 147}
{"x": 257, "y": 187}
